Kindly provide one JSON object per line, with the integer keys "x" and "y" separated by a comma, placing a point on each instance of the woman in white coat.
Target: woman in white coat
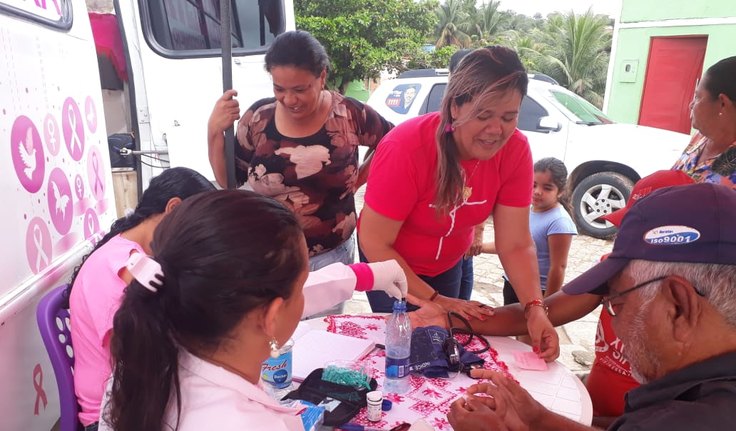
{"x": 224, "y": 288}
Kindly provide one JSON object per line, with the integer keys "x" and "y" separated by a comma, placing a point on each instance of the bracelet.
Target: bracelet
{"x": 535, "y": 303}
{"x": 434, "y": 296}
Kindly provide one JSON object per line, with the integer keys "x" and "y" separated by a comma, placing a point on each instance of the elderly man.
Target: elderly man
{"x": 670, "y": 285}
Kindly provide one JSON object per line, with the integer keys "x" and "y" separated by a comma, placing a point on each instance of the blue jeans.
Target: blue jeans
{"x": 466, "y": 280}
{"x": 446, "y": 283}
{"x": 343, "y": 253}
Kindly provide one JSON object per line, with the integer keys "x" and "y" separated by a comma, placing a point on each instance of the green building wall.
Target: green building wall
{"x": 659, "y": 10}
{"x": 642, "y": 20}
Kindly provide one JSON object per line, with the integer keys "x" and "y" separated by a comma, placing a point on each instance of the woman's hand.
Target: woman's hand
{"x": 428, "y": 314}
{"x": 545, "y": 341}
{"x": 389, "y": 277}
{"x": 477, "y": 244}
{"x": 466, "y": 309}
{"x": 225, "y": 112}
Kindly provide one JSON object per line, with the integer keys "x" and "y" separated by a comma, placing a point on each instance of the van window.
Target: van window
{"x": 191, "y": 28}
{"x": 53, "y": 13}
{"x": 584, "y": 111}
{"x": 530, "y": 114}
{"x": 435, "y": 98}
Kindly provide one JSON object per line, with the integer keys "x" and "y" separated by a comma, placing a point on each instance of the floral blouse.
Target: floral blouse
{"x": 720, "y": 169}
{"x": 313, "y": 175}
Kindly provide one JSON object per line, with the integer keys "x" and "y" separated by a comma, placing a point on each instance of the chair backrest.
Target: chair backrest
{"x": 53, "y": 322}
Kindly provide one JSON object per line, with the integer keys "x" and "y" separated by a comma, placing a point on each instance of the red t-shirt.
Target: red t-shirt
{"x": 610, "y": 376}
{"x": 402, "y": 185}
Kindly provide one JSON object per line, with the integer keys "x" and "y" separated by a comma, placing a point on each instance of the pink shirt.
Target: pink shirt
{"x": 94, "y": 300}
{"x": 402, "y": 182}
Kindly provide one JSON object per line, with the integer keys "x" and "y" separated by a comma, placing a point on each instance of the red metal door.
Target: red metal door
{"x": 673, "y": 68}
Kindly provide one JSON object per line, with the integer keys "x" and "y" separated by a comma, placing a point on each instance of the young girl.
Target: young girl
{"x": 551, "y": 226}
{"x": 226, "y": 286}
{"x": 97, "y": 285}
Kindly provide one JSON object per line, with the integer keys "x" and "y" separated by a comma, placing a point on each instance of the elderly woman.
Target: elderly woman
{"x": 711, "y": 155}
{"x": 435, "y": 177}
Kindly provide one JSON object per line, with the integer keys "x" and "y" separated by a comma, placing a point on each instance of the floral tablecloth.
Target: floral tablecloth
{"x": 428, "y": 399}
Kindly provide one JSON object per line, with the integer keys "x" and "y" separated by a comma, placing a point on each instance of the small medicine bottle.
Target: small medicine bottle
{"x": 374, "y": 399}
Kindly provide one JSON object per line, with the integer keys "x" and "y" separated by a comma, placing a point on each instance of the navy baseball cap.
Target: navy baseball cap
{"x": 691, "y": 223}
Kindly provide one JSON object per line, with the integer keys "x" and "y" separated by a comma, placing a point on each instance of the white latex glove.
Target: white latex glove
{"x": 389, "y": 277}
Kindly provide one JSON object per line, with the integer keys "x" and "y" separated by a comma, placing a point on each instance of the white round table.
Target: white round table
{"x": 556, "y": 388}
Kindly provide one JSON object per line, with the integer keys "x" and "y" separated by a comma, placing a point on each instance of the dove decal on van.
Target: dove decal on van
{"x": 671, "y": 235}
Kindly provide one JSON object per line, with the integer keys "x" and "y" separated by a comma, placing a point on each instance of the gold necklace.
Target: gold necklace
{"x": 467, "y": 190}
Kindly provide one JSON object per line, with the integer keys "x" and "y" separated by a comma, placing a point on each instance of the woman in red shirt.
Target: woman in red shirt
{"x": 435, "y": 177}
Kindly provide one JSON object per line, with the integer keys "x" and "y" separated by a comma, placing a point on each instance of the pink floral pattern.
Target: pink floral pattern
{"x": 429, "y": 399}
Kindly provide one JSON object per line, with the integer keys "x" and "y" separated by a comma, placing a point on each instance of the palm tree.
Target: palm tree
{"x": 487, "y": 20}
{"x": 453, "y": 24}
{"x": 529, "y": 47}
{"x": 577, "y": 52}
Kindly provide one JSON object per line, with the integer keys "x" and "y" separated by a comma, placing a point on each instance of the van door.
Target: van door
{"x": 55, "y": 186}
{"x": 176, "y": 72}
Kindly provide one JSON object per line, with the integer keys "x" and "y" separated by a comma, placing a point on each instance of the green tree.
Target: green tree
{"x": 577, "y": 51}
{"x": 364, "y": 37}
{"x": 431, "y": 59}
{"x": 487, "y": 21}
{"x": 454, "y": 24}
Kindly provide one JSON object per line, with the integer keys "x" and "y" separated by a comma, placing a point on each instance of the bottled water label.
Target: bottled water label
{"x": 397, "y": 368}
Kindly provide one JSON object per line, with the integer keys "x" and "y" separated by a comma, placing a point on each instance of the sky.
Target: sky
{"x": 530, "y": 7}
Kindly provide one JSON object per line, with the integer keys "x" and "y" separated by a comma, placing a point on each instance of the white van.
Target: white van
{"x": 56, "y": 186}
{"x": 56, "y": 179}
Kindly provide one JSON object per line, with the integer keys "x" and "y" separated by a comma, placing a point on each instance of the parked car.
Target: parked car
{"x": 604, "y": 158}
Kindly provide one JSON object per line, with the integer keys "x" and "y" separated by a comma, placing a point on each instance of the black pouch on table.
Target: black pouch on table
{"x": 341, "y": 402}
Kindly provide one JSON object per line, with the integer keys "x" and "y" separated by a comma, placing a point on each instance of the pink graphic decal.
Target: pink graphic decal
{"x": 38, "y": 245}
{"x": 26, "y": 151}
{"x": 91, "y": 223}
{"x": 38, "y": 386}
{"x": 90, "y": 114}
{"x": 42, "y": 4}
{"x": 79, "y": 187}
{"x": 60, "y": 201}
{"x": 71, "y": 123}
{"x": 96, "y": 173}
{"x": 51, "y": 134}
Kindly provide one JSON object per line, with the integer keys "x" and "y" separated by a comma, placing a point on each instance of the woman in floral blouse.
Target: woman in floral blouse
{"x": 711, "y": 155}
{"x": 301, "y": 146}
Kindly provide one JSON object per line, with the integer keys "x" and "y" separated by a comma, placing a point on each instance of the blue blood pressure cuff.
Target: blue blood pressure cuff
{"x": 435, "y": 354}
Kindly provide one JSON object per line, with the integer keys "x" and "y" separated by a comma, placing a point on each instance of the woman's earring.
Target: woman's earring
{"x": 274, "y": 345}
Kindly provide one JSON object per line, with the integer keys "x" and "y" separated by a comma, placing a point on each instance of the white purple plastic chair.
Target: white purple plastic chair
{"x": 53, "y": 322}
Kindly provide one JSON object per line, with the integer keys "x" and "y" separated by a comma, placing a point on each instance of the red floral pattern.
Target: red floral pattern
{"x": 429, "y": 399}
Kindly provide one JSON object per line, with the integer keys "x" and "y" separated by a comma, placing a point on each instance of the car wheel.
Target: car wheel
{"x": 595, "y": 196}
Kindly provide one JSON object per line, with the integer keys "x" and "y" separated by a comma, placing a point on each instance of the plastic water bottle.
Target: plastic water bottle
{"x": 398, "y": 349}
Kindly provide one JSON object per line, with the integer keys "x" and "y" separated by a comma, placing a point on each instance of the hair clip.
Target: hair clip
{"x": 146, "y": 271}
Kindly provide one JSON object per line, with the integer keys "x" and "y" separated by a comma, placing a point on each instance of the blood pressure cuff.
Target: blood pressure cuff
{"x": 429, "y": 356}
{"x": 341, "y": 402}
